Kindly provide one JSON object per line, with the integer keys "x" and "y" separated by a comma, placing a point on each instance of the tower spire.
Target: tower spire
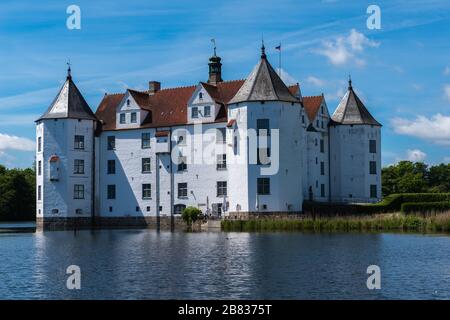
{"x": 69, "y": 70}
{"x": 263, "y": 49}
{"x": 215, "y": 67}
{"x": 350, "y": 82}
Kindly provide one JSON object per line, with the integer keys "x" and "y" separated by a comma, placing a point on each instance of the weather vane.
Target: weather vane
{"x": 214, "y": 42}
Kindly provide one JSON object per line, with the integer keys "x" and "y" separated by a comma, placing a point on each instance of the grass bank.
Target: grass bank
{"x": 382, "y": 222}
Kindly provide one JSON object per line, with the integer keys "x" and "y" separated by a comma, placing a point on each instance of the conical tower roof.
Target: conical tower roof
{"x": 263, "y": 84}
{"x": 69, "y": 103}
{"x": 351, "y": 110}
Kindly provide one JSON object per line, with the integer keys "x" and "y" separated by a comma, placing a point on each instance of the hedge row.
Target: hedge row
{"x": 391, "y": 203}
{"x": 425, "y": 207}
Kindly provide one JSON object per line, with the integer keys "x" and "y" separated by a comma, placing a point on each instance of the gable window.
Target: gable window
{"x": 146, "y": 191}
{"x": 111, "y": 166}
{"x": 221, "y": 162}
{"x": 322, "y": 146}
{"x": 39, "y": 144}
{"x": 263, "y": 186}
{"x": 133, "y": 117}
{"x": 263, "y": 127}
{"x": 373, "y": 167}
{"x": 39, "y": 168}
{"x": 207, "y": 111}
{"x": 145, "y": 140}
{"x": 122, "y": 118}
{"x": 111, "y": 142}
{"x": 200, "y": 95}
{"x": 111, "y": 191}
{"x": 373, "y": 190}
{"x": 220, "y": 135}
{"x": 372, "y": 146}
{"x": 321, "y": 109}
{"x": 182, "y": 166}
{"x": 78, "y": 191}
{"x": 79, "y": 142}
{"x": 221, "y": 188}
{"x": 128, "y": 102}
{"x": 146, "y": 167}
{"x": 194, "y": 112}
{"x": 78, "y": 166}
{"x": 182, "y": 190}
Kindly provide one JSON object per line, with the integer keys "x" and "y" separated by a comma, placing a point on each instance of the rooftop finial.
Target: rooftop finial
{"x": 69, "y": 70}
{"x": 214, "y": 42}
{"x": 263, "y": 49}
{"x": 350, "y": 82}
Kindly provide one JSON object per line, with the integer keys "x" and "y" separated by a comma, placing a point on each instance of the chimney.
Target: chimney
{"x": 154, "y": 86}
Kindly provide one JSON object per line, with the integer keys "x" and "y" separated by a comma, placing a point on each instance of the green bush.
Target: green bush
{"x": 424, "y": 207}
{"x": 190, "y": 215}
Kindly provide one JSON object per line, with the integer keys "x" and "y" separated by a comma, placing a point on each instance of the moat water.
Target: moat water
{"x": 146, "y": 264}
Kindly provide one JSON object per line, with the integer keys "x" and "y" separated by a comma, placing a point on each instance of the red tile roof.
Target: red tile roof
{"x": 168, "y": 107}
{"x": 312, "y": 105}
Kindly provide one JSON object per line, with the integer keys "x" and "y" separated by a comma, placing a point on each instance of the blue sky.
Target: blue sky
{"x": 401, "y": 71}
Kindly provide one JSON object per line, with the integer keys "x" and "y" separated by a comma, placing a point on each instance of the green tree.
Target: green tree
{"x": 190, "y": 215}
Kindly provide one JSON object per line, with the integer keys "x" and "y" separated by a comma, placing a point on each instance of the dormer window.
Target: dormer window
{"x": 122, "y": 118}
{"x": 207, "y": 111}
{"x": 133, "y": 117}
{"x": 194, "y": 112}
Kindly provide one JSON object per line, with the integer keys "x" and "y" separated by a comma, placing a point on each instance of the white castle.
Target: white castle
{"x": 229, "y": 148}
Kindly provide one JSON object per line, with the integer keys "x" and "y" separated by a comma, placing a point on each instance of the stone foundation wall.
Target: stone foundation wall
{"x": 164, "y": 223}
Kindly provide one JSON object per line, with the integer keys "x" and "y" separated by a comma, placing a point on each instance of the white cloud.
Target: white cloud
{"x": 447, "y": 71}
{"x": 447, "y": 91}
{"x": 416, "y": 155}
{"x": 8, "y": 142}
{"x": 343, "y": 49}
{"x": 435, "y": 129}
{"x": 315, "y": 81}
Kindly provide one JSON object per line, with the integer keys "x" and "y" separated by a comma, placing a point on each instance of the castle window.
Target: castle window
{"x": 78, "y": 191}
{"x": 263, "y": 185}
{"x": 373, "y": 167}
{"x": 373, "y": 191}
{"x": 39, "y": 147}
{"x": 55, "y": 211}
{"x": 182, "y": 190}
{"x": 317, "y": 123}
{"x": 148, "y": 208}
{"x": 220, "y": 135}
{"x": 111, "y": 191}
{"x": 182, "y": 166}
{"x": 179, "y": 208}
{"x": 78, "y": 166}
{"x": 321, "y": 109}
{"x": 322, "y": 146}
{"x": 133, "y": 117}
{"x": 221, "y": 188}
{"x": 207, "y": 111}
{"x": 111, "y": 142}
{"x": 322, "y": 168}
{"x": 221, "y": 161}
{"x": 303, "y": 119}
{"x": 39, "y": 192}
{"x": 146, "y": 191}
{"x": 122, "y": 118}
{"x": 39, "y": 168}
{"x": 145, "y": 140}
{"x": 322, "y": 190}
{"x": 79, "y": 142}
{"x": 372, "y": 146}
{"x": 263, "y": 127}
{"x": 194, "y": 112}
{"x": 146, "y": 165}
{"x": 111, "y": 166}
{"x": 78, "y": 211}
